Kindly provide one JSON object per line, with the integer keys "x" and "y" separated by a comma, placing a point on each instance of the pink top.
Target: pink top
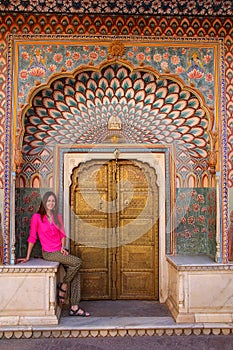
{"x": 49, "y": 234}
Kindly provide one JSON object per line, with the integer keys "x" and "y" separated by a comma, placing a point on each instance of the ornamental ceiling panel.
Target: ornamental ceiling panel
{"x": 175, "y": 7}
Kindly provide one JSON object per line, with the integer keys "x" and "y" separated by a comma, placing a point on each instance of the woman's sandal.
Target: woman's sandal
{"x": 75, "y": 312}
{"x": 61, "y": 298}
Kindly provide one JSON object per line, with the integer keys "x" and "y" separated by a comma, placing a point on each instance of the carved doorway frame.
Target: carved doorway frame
{"x": 161, "y": 158}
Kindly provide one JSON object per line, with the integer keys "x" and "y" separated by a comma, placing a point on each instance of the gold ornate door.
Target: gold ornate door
{"x": 114, "y": 229}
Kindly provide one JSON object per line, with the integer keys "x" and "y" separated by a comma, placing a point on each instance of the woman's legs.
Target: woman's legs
{"x": 72, "y": 265}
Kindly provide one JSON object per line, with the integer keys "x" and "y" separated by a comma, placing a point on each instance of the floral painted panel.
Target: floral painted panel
{"x": 195, "y": 65}
{"x": 27, "y": 203}
{"x": 196, "y": 221}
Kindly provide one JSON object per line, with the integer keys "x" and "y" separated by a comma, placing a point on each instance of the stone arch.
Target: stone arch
{"x": 75, "y": 107}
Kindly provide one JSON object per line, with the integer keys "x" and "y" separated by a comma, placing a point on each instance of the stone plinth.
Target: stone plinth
{"x": 199, "y": 290}
{"x": 28, "y": 293}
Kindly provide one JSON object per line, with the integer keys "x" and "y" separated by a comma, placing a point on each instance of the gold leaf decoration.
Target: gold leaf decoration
{"x": 116, "y": 49}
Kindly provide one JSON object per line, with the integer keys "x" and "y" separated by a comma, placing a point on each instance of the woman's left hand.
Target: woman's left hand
{"x": 64, "y": 251}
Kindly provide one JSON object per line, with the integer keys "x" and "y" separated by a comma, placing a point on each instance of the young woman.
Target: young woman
{"x": 47, "y": 225}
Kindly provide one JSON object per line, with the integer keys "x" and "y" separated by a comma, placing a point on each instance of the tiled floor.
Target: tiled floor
{"x": 123, "y": 308}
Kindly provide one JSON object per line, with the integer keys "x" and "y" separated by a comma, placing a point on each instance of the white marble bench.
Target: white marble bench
{"x": 28, "y": 293}
{"x": 199, "y": 289}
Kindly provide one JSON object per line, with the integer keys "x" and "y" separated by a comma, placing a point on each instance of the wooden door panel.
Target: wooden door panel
{"x": 115, "y": 229}
{"x": 138, "y": 233}
{"x": 94, "y": 285}
{"x": 90, "y": 231}
{"x": 94, "y": 273}
{"x": 141, "y": 233}
{"x": 137, "y": 258}
{"x": 90, "y": 202}
{"x": 137, "y": 285}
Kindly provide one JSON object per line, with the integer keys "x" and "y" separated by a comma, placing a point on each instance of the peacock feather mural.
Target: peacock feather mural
{"x": 151, "y": 108}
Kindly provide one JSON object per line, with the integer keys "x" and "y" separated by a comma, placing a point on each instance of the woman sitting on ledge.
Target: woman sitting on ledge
{"x": 48, "y": 225}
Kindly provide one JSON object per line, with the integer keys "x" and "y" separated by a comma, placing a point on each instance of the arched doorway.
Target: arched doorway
{"x": 114, "y": 229}
{"x": 115, "y": 103}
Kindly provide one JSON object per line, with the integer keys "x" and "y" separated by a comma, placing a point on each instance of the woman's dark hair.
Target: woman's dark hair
{"x": 42, "y": 210}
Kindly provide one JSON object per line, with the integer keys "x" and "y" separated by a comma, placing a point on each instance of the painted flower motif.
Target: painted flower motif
{"x": 37, "y": 72}
{"x": 31, "y": 208}
{"x": 165, "y": 56}
{"x": 76, "y": 56}
{"x": 102, "y": 53}
{"x": 179, "y": 70}
{"x": 209, "y": 77}
{"x": 200, "y": 198}
{"x": 93, "y": 55}
{"x": 35, "y": 194}
{"x": 85, "y": 48}
{"x": 212, "y": 221}
{"x": 130, "y": 54}
{"x": 179, "y": 210}
{"x": 164, "y": 65}
{"x": 25, "y": 55}
{"x": 140, "y": 56}
{"x": 68, "y": 53}
{"x": 183, "y": 220}
{"x": 27, "y": 199}
{"x": 175, "y": 59}
{"x": 52, "y": 67}
{"x": 193, "y": 193}
{"x": 196, "y": 230}
{"x": 58, "y": 57}
{"x": 157, "y": 57}
{"x": 191, "y": 5}
{"x": 196, "y": 207}
{"x": 148, "y": 58}
{"x": 21, "y": 94}
{"x": 69, "y": 63}
{"x": 182, "y": 195}
{"x": 201, "y": 219}
{"x": 191, "y": 220}
{"x": 195, "y": 74}
{"x": 25, "y": 220}
{"x": 208, "y": 3}
{"x": 147, "y": 50}
{"x": 226, "y": 5}
{"x": 187, "y": 233}
{"x": 146, "y": 2}
{"x": 204, "y": 210}
{"x": 207, "y": 58}
{"x": 23, "y": 74}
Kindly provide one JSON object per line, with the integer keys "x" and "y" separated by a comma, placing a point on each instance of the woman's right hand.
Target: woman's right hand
{"x": 22, "y": 260}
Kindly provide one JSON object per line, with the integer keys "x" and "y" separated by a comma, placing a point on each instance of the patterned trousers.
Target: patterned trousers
{"x": 71, "y": 265}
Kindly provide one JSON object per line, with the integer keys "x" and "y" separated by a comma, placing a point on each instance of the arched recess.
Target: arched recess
{"x": 148, "y": 107}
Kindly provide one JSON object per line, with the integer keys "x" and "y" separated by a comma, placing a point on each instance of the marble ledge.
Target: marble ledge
{"x": 197, "y": 263}
{"x": 33, "y": 265}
